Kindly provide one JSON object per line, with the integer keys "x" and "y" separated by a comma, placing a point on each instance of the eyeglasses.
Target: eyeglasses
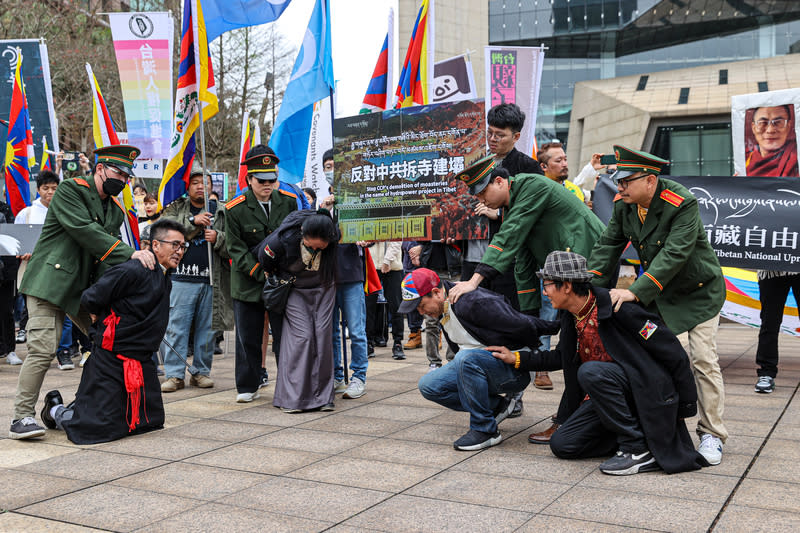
{"x": 117, "y": 173}
{"x": 545, "y": 285}
{"x": 777, "y": 123}
{"x": 496, "y": 135}
{"x": 176, "y": 245}
{"x": 623, "y": 183}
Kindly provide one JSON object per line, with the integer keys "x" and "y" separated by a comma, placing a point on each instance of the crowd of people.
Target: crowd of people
{"x": 636, "y": 361}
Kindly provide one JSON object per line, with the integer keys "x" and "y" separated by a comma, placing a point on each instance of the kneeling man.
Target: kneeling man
{"x": 119, "y": 393}
{"x": 474, "y": 381}
{"x": 628, "y": 383}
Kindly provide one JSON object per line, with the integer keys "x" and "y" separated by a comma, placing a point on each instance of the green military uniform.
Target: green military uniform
{"x": 247, "y": 225}
{"x": 80, "y": 239}
{"x": 543, "y": 217}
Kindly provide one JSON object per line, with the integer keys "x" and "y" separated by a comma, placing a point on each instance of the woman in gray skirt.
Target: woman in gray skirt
{"x": 304, "y": 246}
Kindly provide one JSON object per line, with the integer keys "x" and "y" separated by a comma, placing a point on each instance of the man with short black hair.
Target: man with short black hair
{"x": 505, "y": 122}
{"x": 119, "y": 393}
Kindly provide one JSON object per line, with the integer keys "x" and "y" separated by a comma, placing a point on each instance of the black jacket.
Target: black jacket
{"x": 518, "y": 163}
{"x": 491, "y": 320}
{"x": 658, "y": 368}
{"x": 281, "y": 248}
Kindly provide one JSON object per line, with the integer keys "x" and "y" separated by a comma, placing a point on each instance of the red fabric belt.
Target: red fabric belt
{"x": 134, "y": 385}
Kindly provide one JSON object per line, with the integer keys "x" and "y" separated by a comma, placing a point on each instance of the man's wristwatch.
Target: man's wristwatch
{"x": 191, "y": 219}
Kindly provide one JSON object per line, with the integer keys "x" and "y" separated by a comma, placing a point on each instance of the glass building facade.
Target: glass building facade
{"x": 601, "y": 39}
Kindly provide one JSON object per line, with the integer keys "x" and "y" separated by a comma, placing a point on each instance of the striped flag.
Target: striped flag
{"x": 19, "y": 157}
{"x": 246, "y": 145}
{"x": 195, "y": 87}
{"x": 378, "y": 90}
{"x": 45, "y": 156}
{"x": 416, "y": 78}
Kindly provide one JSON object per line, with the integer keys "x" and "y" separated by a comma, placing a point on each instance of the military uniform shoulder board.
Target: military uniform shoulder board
{"x": 236, "y": 201}
{"x": 287, "y": 193}
{"x": 82, "y": 182}
{"x": 617, "y": 197}
{"x": 672, "y": 198}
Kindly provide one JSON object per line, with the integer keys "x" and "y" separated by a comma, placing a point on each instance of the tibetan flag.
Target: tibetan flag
{"x": 102, "y": 126}
{"x": 19, "y": 146}
{"x": 195, "y": 87}
{"x": 311, "y": 81}
{"x": 45, "y": 156}
{"x": 226, "y": 15}
{"x": 372, "y": 281}
{"x": 246, "y": 144}
{"x": 417, "y": 74}
{"x": 378, "y": 90}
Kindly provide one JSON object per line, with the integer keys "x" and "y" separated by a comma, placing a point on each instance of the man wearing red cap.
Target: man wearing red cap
{"x": 474, "y": 381}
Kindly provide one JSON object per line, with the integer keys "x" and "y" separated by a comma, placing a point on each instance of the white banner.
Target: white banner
{"x": 320, "y": 140}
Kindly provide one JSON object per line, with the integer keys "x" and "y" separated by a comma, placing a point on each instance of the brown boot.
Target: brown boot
{"x": 542, "y": 381}
{"x": 543, "y": 437}
{"x": 414, "y": 340}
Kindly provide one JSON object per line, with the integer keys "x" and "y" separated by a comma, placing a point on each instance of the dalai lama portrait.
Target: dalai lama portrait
{"x": 775, "y": 153}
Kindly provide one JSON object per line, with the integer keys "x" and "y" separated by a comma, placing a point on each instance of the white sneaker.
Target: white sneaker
{"x": 247, "y": 397}
{"x": 710, "y": 448}
{"x": 355, "y": 389}
{"x": 13, "y": 359}
{"x": 339, "y": 386}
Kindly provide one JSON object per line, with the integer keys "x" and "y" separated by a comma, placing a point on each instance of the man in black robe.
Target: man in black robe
{"x": 119, "y": 392}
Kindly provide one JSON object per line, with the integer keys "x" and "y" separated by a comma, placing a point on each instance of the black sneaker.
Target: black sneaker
{"x": 504, "y": 408}
{"x": 627, "y": 463}
{"x": 22, "y": 337}
{"x": 52, "y": 399}
{"x": 477, "y": 440}
{"x": 64, "y": 359}
{"x": 380, "y": 342}
{"x": 397, "y": 351}
{"x": 218, "y": 349}
{"x": 25, "y": 428}
{"x": 765, "y": 384}
{"x": 263, "y": 379}
{"x": 370, "y": 350}
{"x": 518, "y": 409}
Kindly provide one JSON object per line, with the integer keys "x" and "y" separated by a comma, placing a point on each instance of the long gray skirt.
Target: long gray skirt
{"x": 305, "y": 367}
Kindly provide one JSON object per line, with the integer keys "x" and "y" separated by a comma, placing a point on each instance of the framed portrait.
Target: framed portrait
{"x": 765, "y": 132}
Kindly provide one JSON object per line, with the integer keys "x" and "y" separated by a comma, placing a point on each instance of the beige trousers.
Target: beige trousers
{"x": 45, "y": 321}
{"x": 700, "y": 343}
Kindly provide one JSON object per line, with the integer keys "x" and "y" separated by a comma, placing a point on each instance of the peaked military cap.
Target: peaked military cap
{"x": 630, "y": 161}
{"x": 120, "y": 156}
{"x": 266, "y": 163}
{"x": 477, "y": 176}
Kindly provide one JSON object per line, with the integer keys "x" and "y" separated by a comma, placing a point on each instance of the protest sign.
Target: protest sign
{"x": 453, "y": 80}
{"x": 395, "y": 172}
{"x": 514, "y": 75}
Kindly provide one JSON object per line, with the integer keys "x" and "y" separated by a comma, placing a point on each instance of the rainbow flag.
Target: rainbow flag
{"x": 195, "y": 85}
{"x": 416, "y": 78}
{"x": 19, "y": 146}
{"x": 377, "y": 97}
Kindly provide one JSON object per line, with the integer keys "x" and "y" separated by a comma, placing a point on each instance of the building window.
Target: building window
{"x": 723, "y": 76}
{"x": 683, "y": 98}
{"x": 695, "y": 150}
{"x": 763, "y": 87}
{"x": 642, "y": 83}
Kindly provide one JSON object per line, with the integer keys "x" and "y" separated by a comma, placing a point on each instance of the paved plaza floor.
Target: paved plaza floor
{"x": 385, "y": 462}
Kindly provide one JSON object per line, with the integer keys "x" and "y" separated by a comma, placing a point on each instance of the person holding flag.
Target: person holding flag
{"x": 79, "y": 241}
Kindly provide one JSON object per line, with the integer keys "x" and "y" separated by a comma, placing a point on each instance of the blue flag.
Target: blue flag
{"x": 226, "y": 15}
{"x": 311, "y": 81}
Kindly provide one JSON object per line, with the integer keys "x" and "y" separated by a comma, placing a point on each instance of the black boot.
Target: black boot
{"x": 52, "y": 399}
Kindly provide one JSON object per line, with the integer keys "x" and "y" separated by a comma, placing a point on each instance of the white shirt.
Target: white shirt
{"x": 33, "y": 214}
{"x": 456, "y": 332}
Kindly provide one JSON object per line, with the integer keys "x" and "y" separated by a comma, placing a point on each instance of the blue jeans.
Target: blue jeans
{"x": 350, "y": 299}
{"x": 546, "y": 313}
{"x": 66, "y": 335}
{"x": 189, "y": 301}
{"x": 473, "y": 382}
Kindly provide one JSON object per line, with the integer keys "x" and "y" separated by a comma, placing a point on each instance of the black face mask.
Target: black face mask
{"x": 112, "y": 187}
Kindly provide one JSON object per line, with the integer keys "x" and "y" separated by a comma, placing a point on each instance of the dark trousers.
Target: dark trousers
{"x": 8, "y": 337}
{"x": 391, "y": 291}
{"x": 773, "y": 293}
{"x": 604, "y": 423}
{"x": 249, "y": 317}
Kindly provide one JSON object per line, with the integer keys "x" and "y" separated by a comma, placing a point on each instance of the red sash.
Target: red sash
{"x": 134, "y": 385}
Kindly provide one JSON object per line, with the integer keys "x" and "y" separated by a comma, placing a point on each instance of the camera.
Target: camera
{"x": 71, "y": 161}
{"x": 609, "y": 159}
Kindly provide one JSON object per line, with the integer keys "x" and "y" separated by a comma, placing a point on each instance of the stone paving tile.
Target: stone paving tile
{"x": 18, "y": 489}
{"x": 732, "y": 465}
{"x": 32, "y": 524}
{"x": 768, "y": 495}
{"x": 110, "y": 507}
{"x": 307, "y": 499}
{"x": 270, "y": 416}
{"x": 14, "y": 453}
{"x": 432, "y": 433}
{"x": 501, "y": 463}
{"x": 688, "y": 485}
{"x": 749, "y": 414}
{"x": 261, "y": 459}
{"x": 775, "y": 468}
{"x": 345, "y": 423}
{"x": 739, "y": 518}
{"x": 92, "y": 465}
{"x": 410, "y": 513}
{"x": 229, "y": 519}
{"x": 401, "y": 413}
{"x": 375, "y": 475}
{"x": 467, "y": 487}
{"x": 191, "y": 481}
{"x": 519, "y": 443}
{"x": 313, "y": 441}
{"x": 558, "y": 524}
{"x": 750, "y": 428}
{"x": 199, "y": 407}
{"x": 635, "y": 510}
{"x": 787, "y": 432}
{"x": 160, "y": 446}
{"x": 221, "y": 430}
{"x": 410, "y": 453}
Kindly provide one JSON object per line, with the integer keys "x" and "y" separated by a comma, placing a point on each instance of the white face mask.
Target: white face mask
{"x": 329, "y": 176}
